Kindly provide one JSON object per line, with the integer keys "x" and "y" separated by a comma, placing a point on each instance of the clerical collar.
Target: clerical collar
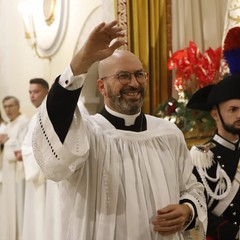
{"x": 139, "y": 121}
{"x": 128, "y": 119}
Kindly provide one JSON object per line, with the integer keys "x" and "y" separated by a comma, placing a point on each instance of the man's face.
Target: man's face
{"x": 37, "y": 94}
{"x": 11, "y": 109}
{"x": 230, "y": 111}
{"x": 123, "y": 96}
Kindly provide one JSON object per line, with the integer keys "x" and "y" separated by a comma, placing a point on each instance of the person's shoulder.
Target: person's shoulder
{"x": 23, "y": 119}
{"x": 202, "y": 155}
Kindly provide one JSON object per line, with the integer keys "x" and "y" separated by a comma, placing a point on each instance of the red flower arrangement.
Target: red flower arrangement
{"x": 193, "y": 70}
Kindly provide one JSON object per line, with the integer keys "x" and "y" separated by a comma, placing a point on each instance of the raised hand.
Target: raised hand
{"x": 99, "y": 45}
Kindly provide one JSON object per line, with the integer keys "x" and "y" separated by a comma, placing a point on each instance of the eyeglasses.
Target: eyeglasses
{"x": 125, "y": 77}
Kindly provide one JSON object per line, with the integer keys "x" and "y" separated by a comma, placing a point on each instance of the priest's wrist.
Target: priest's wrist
{"x": 190, "y": 214}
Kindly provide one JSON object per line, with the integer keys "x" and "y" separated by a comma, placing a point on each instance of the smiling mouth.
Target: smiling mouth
{"x": 132, "y": 93}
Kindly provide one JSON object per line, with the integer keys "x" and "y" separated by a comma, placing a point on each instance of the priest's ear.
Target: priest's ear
{"x": 101, "y": 87}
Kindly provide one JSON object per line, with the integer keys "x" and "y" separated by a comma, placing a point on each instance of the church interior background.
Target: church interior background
{"x": 39, "y": 38}
{"x": 40, "y": 42}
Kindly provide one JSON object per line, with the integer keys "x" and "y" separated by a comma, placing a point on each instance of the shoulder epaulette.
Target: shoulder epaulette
{"x": 202, "y": 156}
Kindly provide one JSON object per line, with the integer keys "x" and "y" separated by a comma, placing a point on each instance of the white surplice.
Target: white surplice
{"x": 35, "y": 188}
{"x": 52, "y": 220}
{"x": 11, "y": 215}
{"x": 2, "y": 129}
{"x": 117, "y": 179}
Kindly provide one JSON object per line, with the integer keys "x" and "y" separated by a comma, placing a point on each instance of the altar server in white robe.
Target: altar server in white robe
{"x": 2, "y": 129}
{"x": 35, "y": 188}
{"x": 11, "y": 216}
{"x": 127, "y": 175}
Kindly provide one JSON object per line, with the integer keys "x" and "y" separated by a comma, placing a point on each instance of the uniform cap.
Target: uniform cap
{"x": 209, "y": 96}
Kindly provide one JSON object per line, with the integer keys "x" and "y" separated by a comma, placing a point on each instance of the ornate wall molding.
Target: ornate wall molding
{"x": 122, "y": 17}
{"x": 50, "y": 23}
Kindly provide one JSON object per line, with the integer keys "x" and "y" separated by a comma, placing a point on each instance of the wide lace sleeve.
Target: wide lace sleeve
{"x": 190, "y": 189}
{"x": 59, "y": 160}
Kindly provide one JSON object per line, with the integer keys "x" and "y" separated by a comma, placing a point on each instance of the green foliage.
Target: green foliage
{"x": 186, "y": 119}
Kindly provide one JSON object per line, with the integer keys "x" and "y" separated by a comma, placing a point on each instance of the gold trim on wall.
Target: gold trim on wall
{"x": 121, "y": 12}
{"x": 169, "y": 42}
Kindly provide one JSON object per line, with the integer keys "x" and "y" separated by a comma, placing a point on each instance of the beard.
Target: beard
{"x": 231, "y": 129}
{"x": 126, "y": 106}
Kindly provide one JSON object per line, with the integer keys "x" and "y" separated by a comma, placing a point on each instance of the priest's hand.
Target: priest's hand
{"x": 171, "y": 219}
{"x": 98, "y": 46}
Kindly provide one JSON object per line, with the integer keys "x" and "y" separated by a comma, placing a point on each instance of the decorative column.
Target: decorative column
{"x": 122, "y": 16}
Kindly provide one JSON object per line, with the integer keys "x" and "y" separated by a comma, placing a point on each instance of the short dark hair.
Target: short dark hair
{"x": 40, "y": 81}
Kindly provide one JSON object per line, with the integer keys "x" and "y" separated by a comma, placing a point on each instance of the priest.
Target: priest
{"x": 123, "y": 174}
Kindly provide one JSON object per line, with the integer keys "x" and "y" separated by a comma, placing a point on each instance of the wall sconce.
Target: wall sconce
{"x": 45, "y": 24}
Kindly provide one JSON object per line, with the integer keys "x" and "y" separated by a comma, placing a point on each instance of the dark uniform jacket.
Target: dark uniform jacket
{"x": 225, "y": 157}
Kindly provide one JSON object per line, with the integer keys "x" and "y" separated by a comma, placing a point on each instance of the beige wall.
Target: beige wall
{"x": 18, "y": 62}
